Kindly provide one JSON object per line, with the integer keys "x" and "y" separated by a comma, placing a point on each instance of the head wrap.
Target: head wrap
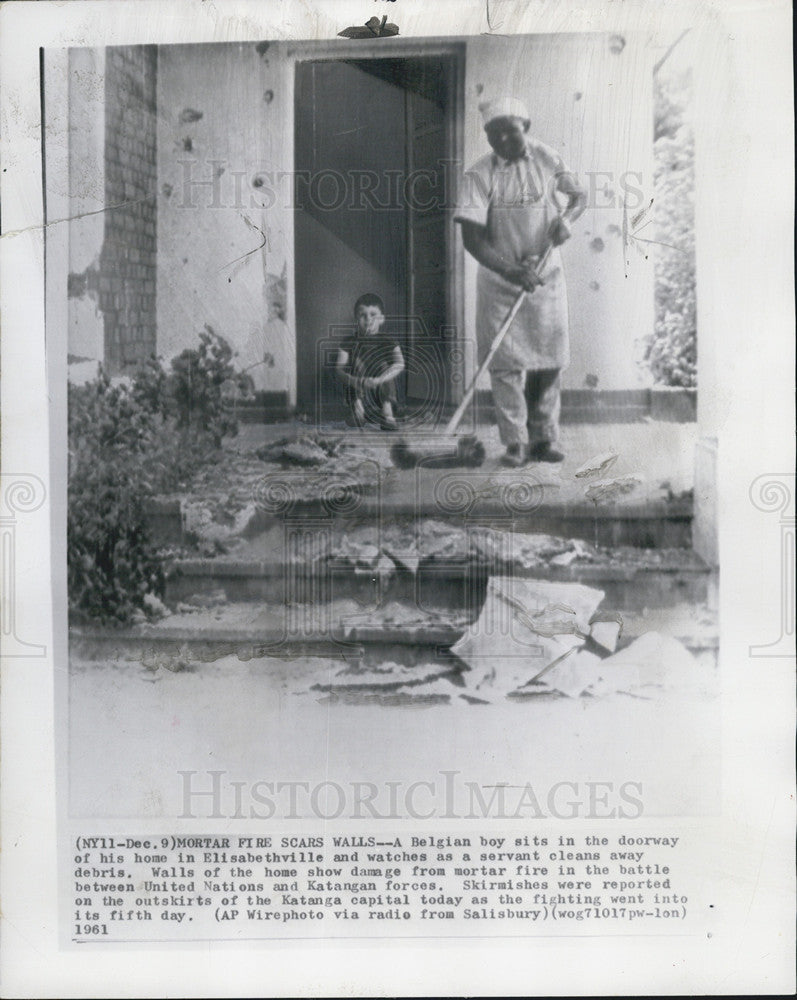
{"x": 503, "y": 107}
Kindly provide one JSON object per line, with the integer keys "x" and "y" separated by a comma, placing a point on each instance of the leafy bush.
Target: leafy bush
{"x": 112, "y": 564}
{"x": 196, "y": 383}
{"x": 129, "y": 441}
{"x": 671, "y": 353}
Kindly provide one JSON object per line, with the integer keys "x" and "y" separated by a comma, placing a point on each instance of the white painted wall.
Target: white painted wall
{"x": 86, "y": 100}
{"x": 604, "y": 135}
{"x": 212, "y": 268}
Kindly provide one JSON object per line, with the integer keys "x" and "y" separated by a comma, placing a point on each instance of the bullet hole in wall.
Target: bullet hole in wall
{"x": 188, "y": 144}
{"x": 614, "y": 230}
{"x": 591, "y": 381}
{"x": 479, "y": 88}
{"x": 76, "y": 285}
{"x": 188, "y": 115}
{"x": 594, "y": 285}
{"x": 616, "y": 44}
{"x": 262, "y": 48}
{"x": 166, "y": 190}
{"x": 577, "y": 96}
{"x": 597, "y": 244}
{"x": 258, "y": 181}
{"x": 268, "y": 97}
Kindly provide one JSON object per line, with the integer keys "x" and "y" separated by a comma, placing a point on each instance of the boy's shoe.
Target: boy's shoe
{"x": 356, "y": 417}
{"x": 545, "y": 452}
{"x": 513, "y": 456}
{"x": 387, "y": 420}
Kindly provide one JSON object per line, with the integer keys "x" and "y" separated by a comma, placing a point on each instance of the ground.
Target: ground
{"x": 384, "y": 712}
{"x": 133, "y": 730}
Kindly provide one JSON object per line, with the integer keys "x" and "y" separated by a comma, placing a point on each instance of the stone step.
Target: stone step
{"x": 631, "y": 580}
{"x": 512, "y": 501}
{"x": 343, "y": 630}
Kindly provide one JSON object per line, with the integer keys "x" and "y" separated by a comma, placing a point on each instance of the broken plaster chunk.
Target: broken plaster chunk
{"x": 573, "y": 674}
{"x": 610, "y": 490}
{"x": 651, "y": 661}
{"x": 606, "y": 633}
{"x": 524, "y": 626}
{"x": 406, "y": 559}
{"x": 597, "y": 465}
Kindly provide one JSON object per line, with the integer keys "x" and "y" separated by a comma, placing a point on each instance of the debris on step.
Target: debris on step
{"x": 386, "y": 699}
{"x": 524, "y": 626}
{"x": 518, "y": 551}
{"x": 243, "y": 518}
{"x": 385, "y": 676}
{"x": 573, "y": 673}
{"x": 652, "y": 662}
{"x": 155, "y": 608}
{"x": 406, "y": 558}
{"x": 606, "y": 632}
{"x": 203, "y": 601}
{"x": 597, "y": 465}
{"x": 304, "y": 451}
{"x": 440, "y": 542}
{"x": 611, "y": 490}
{"x": 358, "y": 554}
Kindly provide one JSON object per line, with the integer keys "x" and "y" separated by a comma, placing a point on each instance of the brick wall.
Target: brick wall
{"x": 127, "y": 273}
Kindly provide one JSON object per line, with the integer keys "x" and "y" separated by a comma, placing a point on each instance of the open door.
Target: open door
{"x": 372, "y": 140}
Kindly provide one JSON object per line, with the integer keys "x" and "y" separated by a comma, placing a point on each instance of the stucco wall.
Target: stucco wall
{"x": 225, "y": 244}
{"x": 85, "y": 84}
{"x": 224, "y": 126}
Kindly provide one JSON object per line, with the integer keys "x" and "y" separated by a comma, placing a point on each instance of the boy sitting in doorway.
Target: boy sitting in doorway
{"x": 368, "y": 364}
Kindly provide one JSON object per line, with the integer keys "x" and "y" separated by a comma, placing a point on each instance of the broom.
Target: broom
{"x": 448, "y": 450}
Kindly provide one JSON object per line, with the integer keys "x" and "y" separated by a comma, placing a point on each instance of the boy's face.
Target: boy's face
{"x": 369, "y": 320}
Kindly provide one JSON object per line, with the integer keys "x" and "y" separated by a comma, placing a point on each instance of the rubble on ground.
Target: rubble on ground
{"x": 611, "y": 490}
{"x": 597, "y": 465}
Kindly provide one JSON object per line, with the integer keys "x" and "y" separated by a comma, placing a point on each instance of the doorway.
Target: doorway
{"x": 375, "y": 149}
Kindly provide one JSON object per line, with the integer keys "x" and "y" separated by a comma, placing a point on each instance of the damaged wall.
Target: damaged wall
{"x": 224, "y": 232}
{"x": 224, "y": 223}
{"x": 111, "y": 285}
{"x": 86, "y": 191}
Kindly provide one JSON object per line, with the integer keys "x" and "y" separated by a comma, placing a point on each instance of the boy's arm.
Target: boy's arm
{"x": 340, "y": 367}
{"x": 395, "y": 369}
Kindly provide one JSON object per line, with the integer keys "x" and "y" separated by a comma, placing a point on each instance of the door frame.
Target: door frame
{"x": 397, "y": 48}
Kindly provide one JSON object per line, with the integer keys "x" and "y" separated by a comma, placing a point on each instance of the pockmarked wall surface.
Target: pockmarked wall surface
{"x": 222, "y": 180}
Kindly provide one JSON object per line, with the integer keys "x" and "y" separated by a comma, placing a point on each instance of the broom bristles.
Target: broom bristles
{"x": 467, "y": 452}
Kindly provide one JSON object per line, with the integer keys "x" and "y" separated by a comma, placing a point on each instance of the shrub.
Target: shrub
{"x": 198, "y": 375}
{"x": 671, "y": 353}
{"x": 128, "y": 442}
{"x": 112, "y": 564}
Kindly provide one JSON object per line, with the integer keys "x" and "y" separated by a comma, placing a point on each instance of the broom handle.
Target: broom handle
{"x": 453, "y": 423}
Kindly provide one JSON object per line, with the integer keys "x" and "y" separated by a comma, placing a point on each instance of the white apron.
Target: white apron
{"x": 518, "y": 217}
